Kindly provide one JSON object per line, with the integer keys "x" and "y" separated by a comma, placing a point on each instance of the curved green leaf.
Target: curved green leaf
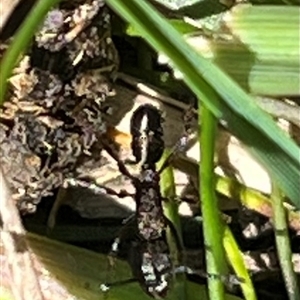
{"x": 81, "y": 272}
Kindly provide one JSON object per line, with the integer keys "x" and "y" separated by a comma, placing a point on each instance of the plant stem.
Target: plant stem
{"x": 168, "y": 191}
{"x": 283, "y": 244}
{"x": 212, "y": 227}
{"x": 236, "y": 260}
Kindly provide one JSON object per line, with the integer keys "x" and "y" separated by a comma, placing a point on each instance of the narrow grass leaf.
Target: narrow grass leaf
{"x": 21, "y": 41}
{"x": 212, "y": 227}
{"x": 283, "y": 245}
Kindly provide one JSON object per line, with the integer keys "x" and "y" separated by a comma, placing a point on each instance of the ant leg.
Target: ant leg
{"x": 175, "y": 234}
{"x": 124, "y": 233}
{"x": 105, "y": 287}
{"x": 178, "y": 200}
{"x": 121, "y": 165}
{"x": 227, "y": 279}
{"x": 87, "y": 184}
{"x": 54, "y": 209}
{"x": 95, "y": 188}
{"x": 179, "y": 147}
{"x": 182, "y": 143}
{"x": 179, "y": 254}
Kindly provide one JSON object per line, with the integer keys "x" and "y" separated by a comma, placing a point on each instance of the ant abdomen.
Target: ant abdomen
{"x": 151, "y": 265}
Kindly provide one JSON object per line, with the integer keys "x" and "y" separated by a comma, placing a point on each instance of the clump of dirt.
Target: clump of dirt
{"x": 57, "y": 107}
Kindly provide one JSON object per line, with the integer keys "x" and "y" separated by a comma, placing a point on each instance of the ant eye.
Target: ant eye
{"x": 142, "y": 138}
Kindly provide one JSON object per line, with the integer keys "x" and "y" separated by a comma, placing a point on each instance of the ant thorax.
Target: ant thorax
{"x": 148, "y": 174}
{"x": 150, "y": 217}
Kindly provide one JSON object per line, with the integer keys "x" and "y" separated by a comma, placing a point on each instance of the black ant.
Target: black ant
{"x": 149, "y": 255}
{"x": 146, "y": 230}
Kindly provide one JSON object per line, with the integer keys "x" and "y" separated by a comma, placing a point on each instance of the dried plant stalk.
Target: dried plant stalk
{"x": 24, "y": 281}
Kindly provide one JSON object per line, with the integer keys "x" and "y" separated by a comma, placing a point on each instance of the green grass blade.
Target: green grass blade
{"x": 258, "y": 46}
{"x": 21, "y": 41}
{"x": 212, "y": 226}
{"x": 283, "y": 245}
{"x": 237, "y": 262}
{"x": 244, "y": 118}
{"x": 168, "y": 192}
{"x": 215, "y": 232}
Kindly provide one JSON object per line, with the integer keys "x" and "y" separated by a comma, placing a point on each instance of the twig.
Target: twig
{"x": 24, "y": 282}
{"x": 276, "y": 108}
{"x": 150, "y": 91}
{"x": 6, "y": 8}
